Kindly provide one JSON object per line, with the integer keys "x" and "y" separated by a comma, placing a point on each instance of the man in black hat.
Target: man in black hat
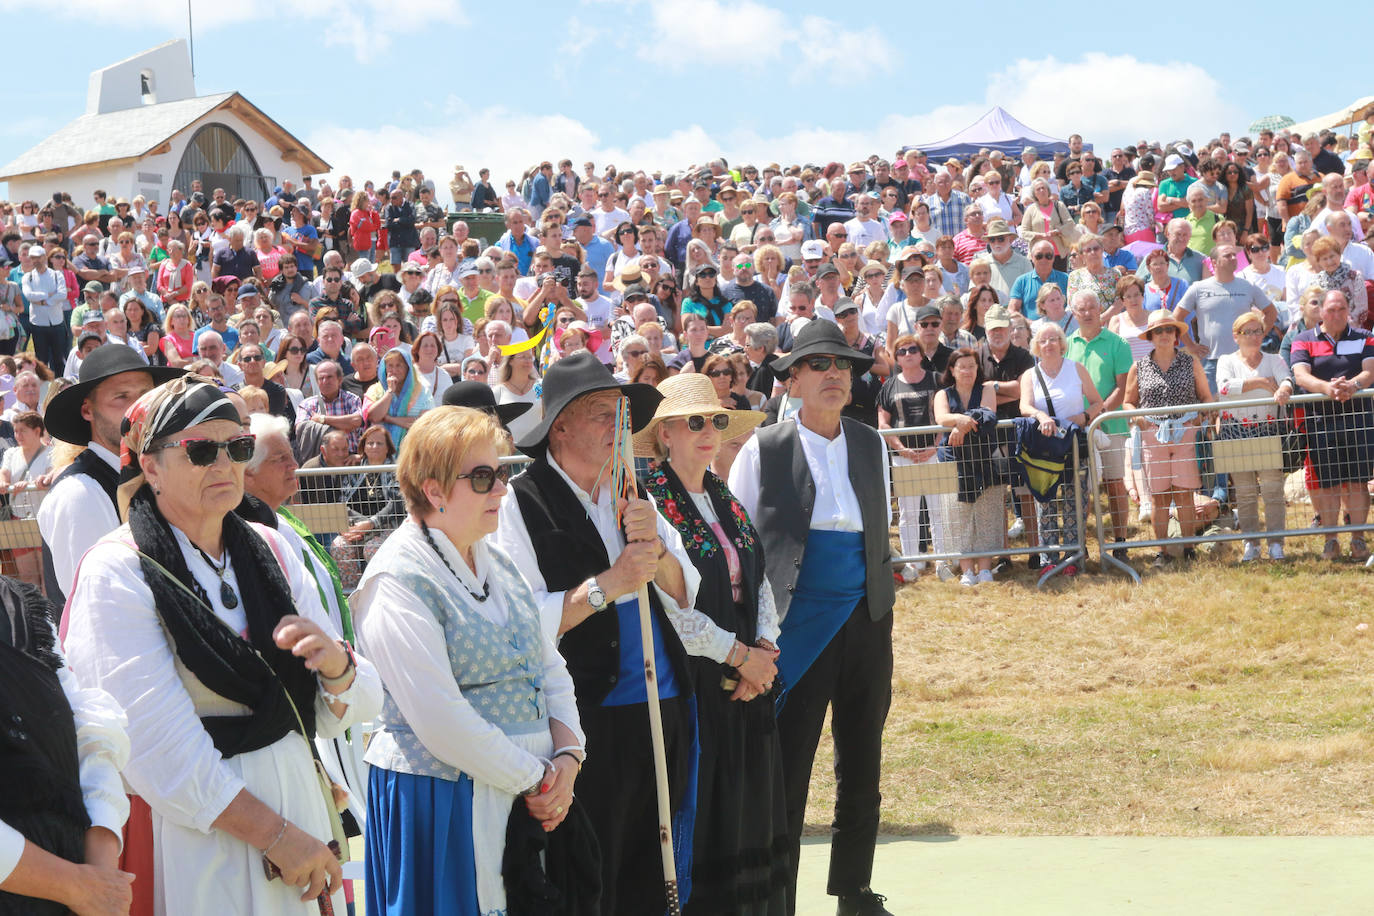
{"x": 559, "y": 522}
{"x": 816, "y": 487}
{"x": 80, "y": 508}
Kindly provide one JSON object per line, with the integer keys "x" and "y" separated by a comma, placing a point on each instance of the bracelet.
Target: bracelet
{"x": 538, "y": 783}
{"x": 348, "y": 669}
{"x": 569, "y": 752}
{"x": 280, "y": 833}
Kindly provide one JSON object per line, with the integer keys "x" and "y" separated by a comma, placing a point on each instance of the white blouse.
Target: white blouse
{"x": 116, "y": 641}
{"x": 402, "y": 637}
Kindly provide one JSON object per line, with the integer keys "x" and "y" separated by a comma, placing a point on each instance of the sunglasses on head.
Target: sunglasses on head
{"x": 823, "y": 363}
{"x": 483, "y": 477}
{"x": 697, "y": 422}
{"x": 203, "y": 452}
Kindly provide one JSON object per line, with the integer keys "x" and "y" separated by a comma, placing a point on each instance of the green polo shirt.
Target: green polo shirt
{"x": 1170, "y": 188}
{"x": 475, "y": 309}
{"x": 1105, "y": 357}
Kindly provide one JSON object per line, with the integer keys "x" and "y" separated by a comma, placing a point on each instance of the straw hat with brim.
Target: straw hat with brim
{"x": 820, "y": 338}
{"x": 479, "y": 396}
{"x": 1145, "y": 179}
{"x": 687, "y": 395}
{"x": 1162, "y": 318}
{"x": 629, "y": 275}
{"x": 571, "y": 378}
{"x": 63, "y": 417}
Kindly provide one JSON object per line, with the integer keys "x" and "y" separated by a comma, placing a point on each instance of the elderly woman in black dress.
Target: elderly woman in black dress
{"x": 739, "y": 863}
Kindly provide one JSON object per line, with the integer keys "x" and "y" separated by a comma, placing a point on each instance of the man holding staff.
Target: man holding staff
{"x": 586, "y": 556}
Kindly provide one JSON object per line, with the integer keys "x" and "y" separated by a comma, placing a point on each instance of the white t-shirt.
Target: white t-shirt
{"x": 598, "y": 316}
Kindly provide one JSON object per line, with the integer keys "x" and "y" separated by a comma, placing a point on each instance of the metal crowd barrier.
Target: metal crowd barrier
{"x": 927, "y": 489}
{"x": 1255, "y": 461}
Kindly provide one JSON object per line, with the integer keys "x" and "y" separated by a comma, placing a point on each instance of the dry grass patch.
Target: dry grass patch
{"x": 1208, "y": 700}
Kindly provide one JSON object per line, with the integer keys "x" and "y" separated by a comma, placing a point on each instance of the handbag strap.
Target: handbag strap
{"x": 1049, "y": 399}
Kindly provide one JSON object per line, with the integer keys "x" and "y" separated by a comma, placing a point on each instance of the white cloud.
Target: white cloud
{"x": 368, "y": 27}
{"x": 710, "y": 32}
{"x": 748, "y": 36}
{"x": 1166, "y": 101}
{"x": 1050, "y": 95}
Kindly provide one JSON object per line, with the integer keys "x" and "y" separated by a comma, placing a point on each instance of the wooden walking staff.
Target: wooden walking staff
{"x": 623, "y": 485}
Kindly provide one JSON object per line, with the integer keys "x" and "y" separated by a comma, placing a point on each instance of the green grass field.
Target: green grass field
{"x": 1209, "y": 700}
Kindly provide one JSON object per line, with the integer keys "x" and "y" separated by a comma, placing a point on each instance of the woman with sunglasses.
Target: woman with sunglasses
{"x": 704, "y": 298}
{"x": 291, "y": 370}
{"x": 1095, "y": 274}
{"x": 739, "y": 859}
{"x": 626, "y": 238}
{"x": 479, "y": 707}
{"x": 374, "y": 507}
{"x": 210, "y": 634}
{"x": 721, "y": 371}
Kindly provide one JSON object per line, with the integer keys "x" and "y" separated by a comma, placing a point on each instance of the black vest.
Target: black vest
{"x": 787, "y": 495}
{"x": 39, "y": 763}
{"x": 569, "y": 550}
{"x": 93, "y": 466}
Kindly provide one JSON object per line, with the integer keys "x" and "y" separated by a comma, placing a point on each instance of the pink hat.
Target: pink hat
{"x": 593, "y": 336}
{"x": 898, "y": 216}
{"x": 382, "y": 338}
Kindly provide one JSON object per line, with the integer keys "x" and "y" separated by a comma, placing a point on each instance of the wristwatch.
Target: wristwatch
{"x": 595, "y": 596}
{"x": 996, "y": 389}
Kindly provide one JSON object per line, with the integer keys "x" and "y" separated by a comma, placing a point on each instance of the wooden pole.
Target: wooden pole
{"x": 622, "y": 478}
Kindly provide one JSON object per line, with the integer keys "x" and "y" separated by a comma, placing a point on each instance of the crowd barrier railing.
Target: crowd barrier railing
{"x": 1263, "y": 465}
{"x": 923, "y": 495}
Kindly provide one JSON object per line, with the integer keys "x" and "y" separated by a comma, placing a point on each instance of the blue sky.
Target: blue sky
{"x": 372, "y": 85}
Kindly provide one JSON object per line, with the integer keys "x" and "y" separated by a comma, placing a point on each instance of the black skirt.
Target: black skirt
{"x": 740, "y": 861}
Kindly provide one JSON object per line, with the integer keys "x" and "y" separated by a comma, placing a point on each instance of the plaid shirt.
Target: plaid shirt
{"x": 346, "y": 404}
{"x": 948, "y": 217}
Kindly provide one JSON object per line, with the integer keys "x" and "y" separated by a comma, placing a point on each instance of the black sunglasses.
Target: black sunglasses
{"x": 717, "y": 373}
{"x": 908, "y": 351}
{"x": 203, "y": 452}
{"x": 697, "y": 422}
{"x": 484, "y": 477}
{"x": 823, "y": 363}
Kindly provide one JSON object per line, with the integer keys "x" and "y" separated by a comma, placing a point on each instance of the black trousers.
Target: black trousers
{"x": 618, "y": 789}
{"x": 853, "y": 676}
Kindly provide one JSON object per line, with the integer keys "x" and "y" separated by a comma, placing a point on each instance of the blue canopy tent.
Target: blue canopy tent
{"x": 995, "y": 130}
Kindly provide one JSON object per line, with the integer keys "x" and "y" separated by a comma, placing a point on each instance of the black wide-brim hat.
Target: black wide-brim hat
{"x": 479, "y": 396}
{"x": 820, "y": 338}
{"x": 571, "y": 378}
{"x": 63, "y": 417}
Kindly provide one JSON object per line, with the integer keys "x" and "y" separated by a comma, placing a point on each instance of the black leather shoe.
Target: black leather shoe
{"x": 864, "y": 903}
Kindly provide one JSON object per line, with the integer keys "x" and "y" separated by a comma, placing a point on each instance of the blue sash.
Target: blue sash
{"x": 629, "y": 685}
{"x": 831, "y": 584}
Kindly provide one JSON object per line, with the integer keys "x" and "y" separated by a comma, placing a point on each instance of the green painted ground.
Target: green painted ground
{"x": 1104, "y": 876}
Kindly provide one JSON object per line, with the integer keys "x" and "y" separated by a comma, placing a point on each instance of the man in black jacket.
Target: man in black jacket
{"x": 560, "y": 525}
{"x": 398, "y": 218}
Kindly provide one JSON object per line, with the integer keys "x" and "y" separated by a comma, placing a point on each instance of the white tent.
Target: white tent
{"x": 1353, "y": 113}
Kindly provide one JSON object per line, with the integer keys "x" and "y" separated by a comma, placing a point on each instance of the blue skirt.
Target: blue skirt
{"x": 419, "y": 846}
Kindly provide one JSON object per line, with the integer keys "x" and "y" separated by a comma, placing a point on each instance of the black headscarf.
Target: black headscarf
{"x": 255, "y": 673}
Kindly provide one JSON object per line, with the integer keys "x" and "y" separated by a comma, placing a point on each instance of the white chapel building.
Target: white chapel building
{"x": 145, "y": 131}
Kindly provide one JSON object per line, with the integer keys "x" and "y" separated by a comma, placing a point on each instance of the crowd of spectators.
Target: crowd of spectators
{"x": 350, "y": 311}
